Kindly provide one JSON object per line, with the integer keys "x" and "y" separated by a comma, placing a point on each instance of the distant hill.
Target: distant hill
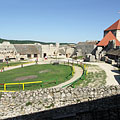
{"x": 29, "y": 42}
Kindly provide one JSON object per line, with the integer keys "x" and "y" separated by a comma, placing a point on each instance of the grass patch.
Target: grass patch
{"x": 28, "y": 103}
{"x": 0, "y": 95}
{"x": 51, "y": 105}
{"x": 55, "y": 75}
{"x": 93, "y": 79}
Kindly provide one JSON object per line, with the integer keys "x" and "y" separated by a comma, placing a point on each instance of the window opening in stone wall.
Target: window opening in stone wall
{"x": 44, "y": 55}
{"x": 35, "y": 55}
{"x": 29, "y": 55}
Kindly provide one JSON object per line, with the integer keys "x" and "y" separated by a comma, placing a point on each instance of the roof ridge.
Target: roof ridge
{"x": 109, "y": 36}
{"x": 114, "y": 26}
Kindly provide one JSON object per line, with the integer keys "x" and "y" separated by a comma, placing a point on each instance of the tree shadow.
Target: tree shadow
{"x": 107, "y": 108}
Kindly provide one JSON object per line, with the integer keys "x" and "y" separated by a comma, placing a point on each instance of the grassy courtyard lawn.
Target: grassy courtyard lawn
{"x": 51, "y": 75}
{"x": 96, "y": 77}
{"x": 4, "y": 64}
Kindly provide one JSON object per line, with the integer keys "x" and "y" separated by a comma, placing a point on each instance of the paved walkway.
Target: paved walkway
{"x": 113, "y": 75}
{"x": 29, "y": 64}
{"x": 18, "y": 66}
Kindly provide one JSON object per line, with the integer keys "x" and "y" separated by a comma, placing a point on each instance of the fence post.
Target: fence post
{"x": 23, "y": 86}
{"x": 73, "y": 71}
{"x": 73, "y": 85}
{"x": 56, "y": 81}
{"x": 41, "y": 85}
{"x": 4, "y": 87}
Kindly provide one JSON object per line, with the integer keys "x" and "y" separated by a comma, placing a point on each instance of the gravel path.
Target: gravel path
{"x": 18, "y": 66}
{"x": 77, "y": 74}
{"x": 113, "y": 75}
{"x": 29, "y": 64}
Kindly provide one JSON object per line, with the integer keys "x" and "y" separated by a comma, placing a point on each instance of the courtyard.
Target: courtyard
{"x": 49, "y": 74}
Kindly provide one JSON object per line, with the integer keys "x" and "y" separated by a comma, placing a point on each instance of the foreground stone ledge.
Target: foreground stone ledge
{"x": 26, "y": 102}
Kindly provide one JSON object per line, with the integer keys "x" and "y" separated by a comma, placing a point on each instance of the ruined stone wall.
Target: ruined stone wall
{"x": 7, "y": 50}
{"x": 85, "y": 48}
{"x": 28, "y": 102}
{"x": 50, "y": 50}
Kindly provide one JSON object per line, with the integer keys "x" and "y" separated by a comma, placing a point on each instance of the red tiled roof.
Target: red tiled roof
{"x": 114, "y": 26}
{"x": 109, "y": 36}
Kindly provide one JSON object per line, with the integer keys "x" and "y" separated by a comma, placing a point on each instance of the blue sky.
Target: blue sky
{"x": 57, "y": 20}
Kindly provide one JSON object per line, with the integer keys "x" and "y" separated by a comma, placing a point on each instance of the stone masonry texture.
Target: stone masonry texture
{"x": 58, "y": 103}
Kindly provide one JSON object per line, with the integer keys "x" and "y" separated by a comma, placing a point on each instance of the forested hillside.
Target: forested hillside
{"x": 23, "y": 41}
{"x": 28, "y": 42}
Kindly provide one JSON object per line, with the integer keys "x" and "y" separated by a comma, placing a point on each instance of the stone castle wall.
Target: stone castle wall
{"x": 85, "y": 48}
{"x": 28, "y": 102}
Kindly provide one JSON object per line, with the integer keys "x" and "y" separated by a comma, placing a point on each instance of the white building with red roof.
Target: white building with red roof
{"x": 115, "y": 29}
{"x": 109, "y": 46}
{"x": 111, "y": 33}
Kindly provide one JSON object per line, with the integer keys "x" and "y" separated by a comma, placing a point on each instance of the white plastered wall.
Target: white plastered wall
{"x": 118, "y": 35}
